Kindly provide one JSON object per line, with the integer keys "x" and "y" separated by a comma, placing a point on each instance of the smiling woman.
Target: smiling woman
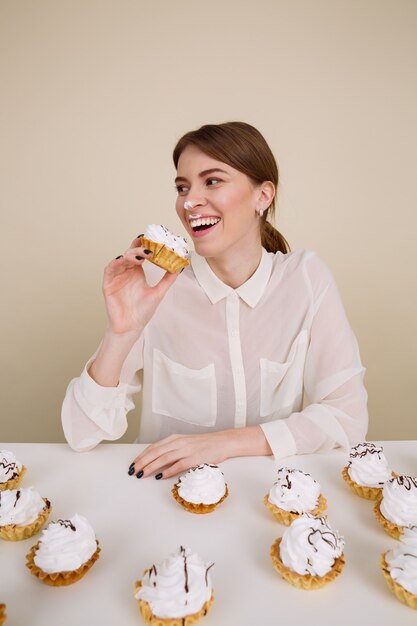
{"x": 224, "y": 353}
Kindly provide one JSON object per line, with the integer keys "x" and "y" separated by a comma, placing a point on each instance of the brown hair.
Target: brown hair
{"x": 241, "y": 146}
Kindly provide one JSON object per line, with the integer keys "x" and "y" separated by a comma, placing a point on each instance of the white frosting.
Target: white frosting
{"x": 160, "y": 234}
{"x": 294, "y": 491}
{"x": 310, "y": 546}
{"x": 399, "y": 500}
{"x": 177, "y": 587}
{"x": 402, "y": 560}
{"x": 65, "y": 545}
{"x": 368, "y": 466}
{"x": 20, "y": 506}
{"x": 9, "y": 466}
{"x": 202, "y": 484}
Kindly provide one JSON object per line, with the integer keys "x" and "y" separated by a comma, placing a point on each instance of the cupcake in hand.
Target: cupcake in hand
{"x": 168, "y": 251}
{"x": 310, "y": 553}
{"x": 2, "y": 614}
{"x": 294, "y": 493}
{"x": 399, "y": 567}
{"x": 201, "y": 489}
{"x": 11, "y": 470}
{"x": 22, "y": 513}
{"x": 176, "y": 592}
{"x": 65, "y": 552}
{"x": 367, "y": 470}
{"x": 397, "y": 506}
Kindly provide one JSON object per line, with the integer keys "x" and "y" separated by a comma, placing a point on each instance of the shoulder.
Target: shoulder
{"x": 306, "y": 266}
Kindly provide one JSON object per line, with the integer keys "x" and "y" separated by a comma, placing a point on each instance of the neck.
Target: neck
{"x": 234, "y": 268}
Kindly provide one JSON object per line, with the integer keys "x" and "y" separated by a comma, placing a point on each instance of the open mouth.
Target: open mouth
{"x": 203, "y": 223}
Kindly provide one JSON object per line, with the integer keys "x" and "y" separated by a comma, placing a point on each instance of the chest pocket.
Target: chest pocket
{"x": 282, "y": 383}
{"x": 185, "y": 394}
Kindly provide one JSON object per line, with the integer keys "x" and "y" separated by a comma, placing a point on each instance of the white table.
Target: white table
{"x": 138, "y": 523}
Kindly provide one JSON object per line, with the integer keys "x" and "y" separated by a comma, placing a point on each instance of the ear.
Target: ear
{"x": 266, "y": 193}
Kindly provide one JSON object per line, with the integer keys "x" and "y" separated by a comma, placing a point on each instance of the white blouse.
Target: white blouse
{"x": 213, "y": 358}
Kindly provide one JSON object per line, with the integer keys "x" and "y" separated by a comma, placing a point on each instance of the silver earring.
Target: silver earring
{"x": 261, "y": 212}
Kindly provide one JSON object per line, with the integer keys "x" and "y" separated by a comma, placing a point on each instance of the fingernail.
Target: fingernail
{"x": 182, "y": 270}
{"x": 139, "y": 474}
{"x": 132, "y": 464}
{"x": 119, "y": 257}
{"x": 146, "y": 251}
{"x": 139, "y": 258}
{"x": 139, "y": 236}
{"x": 158, "y": 476}
{"x": 131, "y": 471}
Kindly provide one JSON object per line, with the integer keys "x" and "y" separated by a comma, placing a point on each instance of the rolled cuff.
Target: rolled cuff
{"x": 280, "y": 438}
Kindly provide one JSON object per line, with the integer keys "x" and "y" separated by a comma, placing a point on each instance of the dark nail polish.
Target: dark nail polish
{"x": 139, "y": 474}
{"x": 139, "y": 258}
{"x": 119, "y": 257}
{"x": 182, "y": 270}
{"x": 139, "y": 236}
{"x": 158, "y": 476}
{"x": 131, "y": 471}
{"x": 146, "y": 251}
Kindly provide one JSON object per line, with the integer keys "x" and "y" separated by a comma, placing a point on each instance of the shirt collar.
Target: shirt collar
{"x": 251, "y": 291}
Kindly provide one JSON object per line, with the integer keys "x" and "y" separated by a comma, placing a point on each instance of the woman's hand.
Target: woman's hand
{"x": 178, "y": 453}
{"x": 130, "y": 301}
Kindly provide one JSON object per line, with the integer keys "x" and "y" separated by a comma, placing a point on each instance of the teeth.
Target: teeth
{"x": 205, "y": 221}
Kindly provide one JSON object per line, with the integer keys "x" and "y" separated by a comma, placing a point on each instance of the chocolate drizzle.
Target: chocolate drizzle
{"x": 66, "y": 523}
{"x": 328, "y": 536}
{"x": 185, "y": 570}
{"x": 9, "y": 467}
{"x": 207, "y": 570}
{"x": 368, "y": 448}
{"x": 406, "y": 481}
{"x": 17, "y": 497}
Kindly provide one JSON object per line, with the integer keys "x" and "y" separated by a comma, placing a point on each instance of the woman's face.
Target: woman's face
{"x": 224, "y": 201}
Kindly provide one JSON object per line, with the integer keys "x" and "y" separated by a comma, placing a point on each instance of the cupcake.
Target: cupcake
{"x": 65, "y": 552}
{"x": 292, "y": 494}
{"x": 169, "y": 251}
{"x": 22, "y": 513}
{"x": 11, "y": 470}
{"x": 310, "y": 554}
{"x": 399, "y": 567}
{"x": 177, "y": 592}
{"x": 2, "y": 614}
{"x": 397, "y": 506}
{"x": 201, "y": 489}
{"x": 367, "y": 470}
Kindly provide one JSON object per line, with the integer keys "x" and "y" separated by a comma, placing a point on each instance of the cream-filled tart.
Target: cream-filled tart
{"x": 176, "y": 592}
{"x": 399, "y": 568}
{"x": 293, "y": 493}
{"x": 169, "y": 251}
{"x": 22, "y": 513}
{"x": 201, "y": 489}
{"x": 11, "y": 470}
{"x": 396, "y": 508}
{"x": 367, "y": 470}
{"x": 65, "y": 552}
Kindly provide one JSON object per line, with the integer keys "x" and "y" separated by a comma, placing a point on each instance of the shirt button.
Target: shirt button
{"x": 234, "y": 333}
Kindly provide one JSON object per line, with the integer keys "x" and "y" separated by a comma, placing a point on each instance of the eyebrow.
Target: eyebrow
{"x": 203, "y": 173}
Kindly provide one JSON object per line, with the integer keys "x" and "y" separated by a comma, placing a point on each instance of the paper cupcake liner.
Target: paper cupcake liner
{"x": 404, "y": 596}
{"x": 307, "y": 581}
{"x": 59, "y": 579}
{"x": 2, "y": 614}
{"x": 163, "y": 256}
{"x": 188, "y": 620}
{"x": 287, "y": 517}
{"x": 13, "y": 532}
{"x": 13, "y": 482}
{"x": 392, "y": 529}
{"x": 200, "y": 508}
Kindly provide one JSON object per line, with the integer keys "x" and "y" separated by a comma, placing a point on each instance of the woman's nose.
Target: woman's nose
{"x": 189, "y": 205}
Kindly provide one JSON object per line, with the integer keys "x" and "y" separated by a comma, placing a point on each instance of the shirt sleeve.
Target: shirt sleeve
{"x": 336, "y": 415}
{"x": 91, "y": 413}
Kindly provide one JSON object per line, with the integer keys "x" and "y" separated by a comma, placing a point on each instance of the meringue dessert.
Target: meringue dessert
{"x": 397, "y": 506}
{"x": 201, "y": 489}
{"x": 168, "y": 250}
{"x": 22, "y": 513}
{"x": 177, "y": 591}
{"x": 2, "y": 614}
{"x": 294, "y": 493}
{"x": 66, "y": 550}
{"x": 310, "y": 554}
{"x": 11, "y": 470}
{"x": 399, "y": 567}
{"x": 367, "y": 470}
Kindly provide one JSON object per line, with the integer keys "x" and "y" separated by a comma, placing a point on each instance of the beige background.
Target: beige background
{"x": 94, "y": 96}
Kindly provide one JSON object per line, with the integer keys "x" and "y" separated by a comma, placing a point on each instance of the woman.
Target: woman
{"x": 224, "y": 352}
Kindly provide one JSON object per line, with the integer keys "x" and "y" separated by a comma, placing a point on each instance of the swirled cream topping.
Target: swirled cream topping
{"x": 9, "y": 466}
{"x": 310, "y": 546}
{"x": 177, "y": 587}
{"x": 294, "y": 491}
{"x": 20, "y": 506}
{"x": 65, "y": 545}
{"x": 402, "y": 560}
{"x": 203, "y": 484}
{"x": 399, "y": 500}
{"x": 368, "y": 466}
{"x": 160, "y": 234}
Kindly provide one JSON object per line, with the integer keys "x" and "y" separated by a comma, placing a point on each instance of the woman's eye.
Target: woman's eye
{"x": 180, "y": 188}
{"x": 212, "y": 181}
